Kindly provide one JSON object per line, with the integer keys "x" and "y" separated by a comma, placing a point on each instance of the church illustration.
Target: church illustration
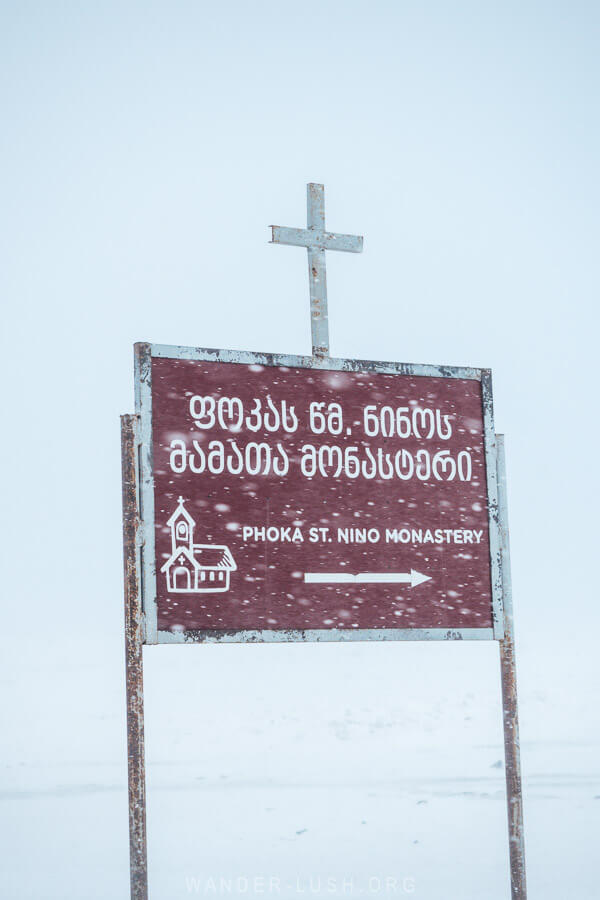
{"x": 195, "y": 568}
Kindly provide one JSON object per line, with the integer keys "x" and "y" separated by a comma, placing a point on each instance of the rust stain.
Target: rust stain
{"x": 133, "y": 666}
{"x": 514, "y": 796}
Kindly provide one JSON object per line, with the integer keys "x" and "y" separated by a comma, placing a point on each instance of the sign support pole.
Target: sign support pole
{"x": 508, "y": 671}
{"x": 317, "y": 241}
{"x": 138, "y": 862}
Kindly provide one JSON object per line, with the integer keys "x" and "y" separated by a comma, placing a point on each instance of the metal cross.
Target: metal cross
{"x": 317, "y": 241}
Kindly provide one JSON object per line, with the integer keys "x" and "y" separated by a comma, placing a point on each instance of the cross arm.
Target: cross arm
{"x": 314, "y": 240}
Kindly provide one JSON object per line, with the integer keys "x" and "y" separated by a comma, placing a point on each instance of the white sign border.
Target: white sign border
{"x": 144, "y": 353}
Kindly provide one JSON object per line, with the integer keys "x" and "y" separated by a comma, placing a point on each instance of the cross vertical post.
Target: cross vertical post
{"x": 317, "y": 241}
{"x": 317, "y": 273}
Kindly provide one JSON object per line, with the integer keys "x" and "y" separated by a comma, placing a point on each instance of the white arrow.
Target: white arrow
{"x": 413, "y": 578}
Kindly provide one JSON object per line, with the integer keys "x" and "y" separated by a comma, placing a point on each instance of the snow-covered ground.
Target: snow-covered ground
{"x": 317, "y": 770}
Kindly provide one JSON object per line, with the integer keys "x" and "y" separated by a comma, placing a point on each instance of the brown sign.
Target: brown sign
{"x": 293, "y": 498}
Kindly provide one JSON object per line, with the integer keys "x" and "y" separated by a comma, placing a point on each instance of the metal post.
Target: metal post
{"x": 508, "y": 670}
{"x": 317, "y": 273}
{"x": 138, "y": 862}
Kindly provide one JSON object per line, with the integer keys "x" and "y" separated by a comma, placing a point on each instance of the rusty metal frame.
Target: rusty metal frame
{"x": 144, "y": 353}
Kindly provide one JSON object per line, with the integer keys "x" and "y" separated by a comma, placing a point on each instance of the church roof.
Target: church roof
{"x": 205, "y": 556}
{"x": 214, "y": 556}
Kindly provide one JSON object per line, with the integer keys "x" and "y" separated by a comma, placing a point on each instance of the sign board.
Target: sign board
{"x": 292, "y": 498}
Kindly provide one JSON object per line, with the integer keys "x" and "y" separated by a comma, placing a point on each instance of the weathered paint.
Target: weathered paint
{"x": 144, "y": 351}
{"x": 325, "y": 636}
{"x": 133, "y": 662}
{"x": 317, "y": 241}
{"x": 492, "y": 500}
{"x": 508, "y": 669}
{"x": 143, "y": 400}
